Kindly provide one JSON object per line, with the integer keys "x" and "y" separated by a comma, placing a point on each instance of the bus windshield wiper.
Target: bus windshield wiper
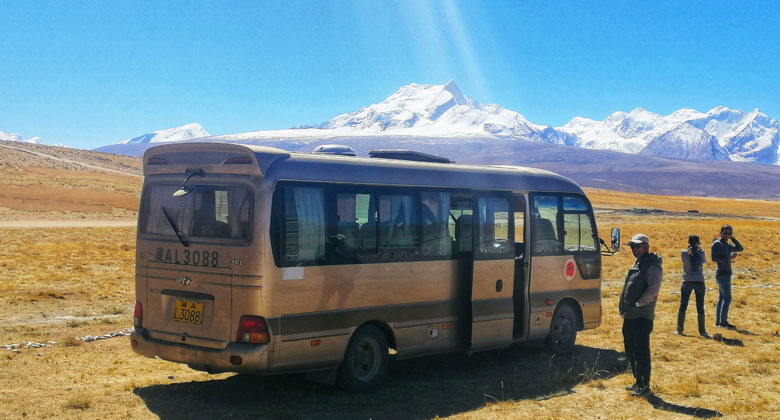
{"x": 183, "y": 241}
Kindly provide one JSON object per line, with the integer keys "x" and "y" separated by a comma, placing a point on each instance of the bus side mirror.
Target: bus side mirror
{"x": 615, "y": 238}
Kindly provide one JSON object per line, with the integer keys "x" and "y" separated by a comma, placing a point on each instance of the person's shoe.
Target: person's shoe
{"x": 641, "y": 392}
{"x": 717, "y": 324}
{"x": 678, "y": 332}
{"x": 705, "y": 334}
{"x": 727, "y": 325}
{"x": 631, "y": 387}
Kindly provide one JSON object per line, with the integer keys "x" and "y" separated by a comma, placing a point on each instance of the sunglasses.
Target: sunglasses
{"x": 635, "y": 245}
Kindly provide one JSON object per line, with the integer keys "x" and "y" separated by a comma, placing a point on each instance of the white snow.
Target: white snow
{"x": 414, "y": 110}
{"x": 185, "y": 132}
{"x": 744, "y": 136}
{"x": 16, "y": 137}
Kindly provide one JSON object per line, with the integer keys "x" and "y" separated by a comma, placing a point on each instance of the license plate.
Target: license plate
{"x": 187, "y": 311}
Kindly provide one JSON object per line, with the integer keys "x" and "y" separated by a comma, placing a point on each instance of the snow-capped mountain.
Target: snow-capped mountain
{"x": 185, "y": 132}
{"x": 686, "y": 142}
{"x": 418, "y": 110}
{"x": 16, "y": 137}
{"x": 686, "y": 133}
{"x": 419, "y": 115}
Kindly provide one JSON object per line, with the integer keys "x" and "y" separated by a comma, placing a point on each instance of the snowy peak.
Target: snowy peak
{"x": 686, "y": 142}
{"x": 16, "y": 137}
{"x": 686, "y": 133}
{"x": 185, "y": 132}
{"x": 431, "y": 110}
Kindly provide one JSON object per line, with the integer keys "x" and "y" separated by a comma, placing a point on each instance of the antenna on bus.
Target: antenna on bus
{"x": 184, "y": 190}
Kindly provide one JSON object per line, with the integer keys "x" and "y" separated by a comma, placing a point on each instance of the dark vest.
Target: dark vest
{"x": 634, "y": 287}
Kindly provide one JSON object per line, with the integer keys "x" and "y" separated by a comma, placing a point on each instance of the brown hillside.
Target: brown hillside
{"x": 47, "y": 182}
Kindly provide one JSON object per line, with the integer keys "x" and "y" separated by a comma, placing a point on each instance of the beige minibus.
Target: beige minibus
{"x": 261, "y": 261}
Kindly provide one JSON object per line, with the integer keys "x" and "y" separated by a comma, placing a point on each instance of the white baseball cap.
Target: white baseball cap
{"x": 638, "y": 239}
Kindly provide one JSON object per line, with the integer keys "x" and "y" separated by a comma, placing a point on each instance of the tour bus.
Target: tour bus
{"x": 262, "y": 261}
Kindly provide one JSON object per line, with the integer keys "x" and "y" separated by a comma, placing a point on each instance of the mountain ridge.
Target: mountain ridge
{"x": 436, "y": 112}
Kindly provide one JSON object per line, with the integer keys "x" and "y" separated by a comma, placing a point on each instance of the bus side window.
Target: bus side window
{"x": 578, "y": 225}
{"x": 494, "y": 228}
{"x": 461, "y": 224}
{"x": 304, "y": 226}
{"x": 437, "y": 241}
{"x": 544, "y": 233}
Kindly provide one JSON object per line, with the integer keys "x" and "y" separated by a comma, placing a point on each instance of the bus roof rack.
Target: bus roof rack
{"x": 403, "y": 154}
{"x": 334, "y": 149}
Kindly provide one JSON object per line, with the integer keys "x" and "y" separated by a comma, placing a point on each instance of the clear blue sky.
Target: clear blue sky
{"x": 91, "y": 73}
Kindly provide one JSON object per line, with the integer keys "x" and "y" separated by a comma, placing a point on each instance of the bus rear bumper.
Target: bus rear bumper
{"x": 235, "y": 357}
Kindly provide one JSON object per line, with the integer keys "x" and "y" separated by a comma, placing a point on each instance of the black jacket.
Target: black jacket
{"x": 721, "y": 254}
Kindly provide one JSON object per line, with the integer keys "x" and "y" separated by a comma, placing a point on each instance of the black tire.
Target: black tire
{"x": 563, "y": 330}
{"x": 365, "y": 361}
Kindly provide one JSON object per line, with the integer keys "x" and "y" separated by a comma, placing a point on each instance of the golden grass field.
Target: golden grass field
{"x": 61, "y": 283}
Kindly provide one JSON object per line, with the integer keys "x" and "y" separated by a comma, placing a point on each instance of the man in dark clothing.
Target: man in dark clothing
{"x": 637, "y": 308}
{"x": 723, "y": 253}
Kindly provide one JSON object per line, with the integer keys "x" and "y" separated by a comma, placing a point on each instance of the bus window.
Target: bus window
{"x": 304, "y": 226}
{"x": 208, "y": 212}
{"x": 578, "y": 226}
{"x": 398, "y": 221}
{"x": 544, "y": 226}
{"x": 461, "y": 223}
{"x": 437, "y": 241}
{"x": 494, "y": 228}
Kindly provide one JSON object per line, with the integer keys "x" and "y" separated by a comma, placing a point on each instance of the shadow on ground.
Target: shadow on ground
{"x": 728, "y": 341}
{"x": 702, "y": 413}
{"x": 419, "y": 388}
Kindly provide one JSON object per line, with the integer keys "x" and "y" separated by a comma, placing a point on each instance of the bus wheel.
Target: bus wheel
{"x": 366, "y": 360}
{"x": 563, "y": 330}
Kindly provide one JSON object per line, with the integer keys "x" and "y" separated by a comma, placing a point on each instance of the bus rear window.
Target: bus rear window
{"x": 207, "y": 212}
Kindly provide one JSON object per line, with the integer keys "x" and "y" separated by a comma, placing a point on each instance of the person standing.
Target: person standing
{"x": 637, "y": 308}
{"x": 693, "y": 258}
{"x": 723, "y": 253}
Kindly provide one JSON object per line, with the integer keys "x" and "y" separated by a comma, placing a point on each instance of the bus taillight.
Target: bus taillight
{"x": 252, "y": 330}
{"x": 138, "y": 315}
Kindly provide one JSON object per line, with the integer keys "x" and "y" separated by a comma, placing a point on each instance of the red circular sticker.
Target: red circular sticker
{"x": 570, "y": 269}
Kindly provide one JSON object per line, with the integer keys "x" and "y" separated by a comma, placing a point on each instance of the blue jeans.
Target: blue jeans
{"x": 724, "y": 298}
{"x": 685, "y": 295}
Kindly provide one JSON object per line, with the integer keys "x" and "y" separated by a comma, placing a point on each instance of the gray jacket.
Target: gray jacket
{"x": 692, "y": 265}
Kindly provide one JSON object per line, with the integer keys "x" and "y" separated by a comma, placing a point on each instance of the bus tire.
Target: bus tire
{"x": 365, "y": 361}
{"x": 563, "y": 330}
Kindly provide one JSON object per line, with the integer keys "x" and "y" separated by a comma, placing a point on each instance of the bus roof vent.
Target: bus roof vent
{"x": 403, "y": 154}
{"x": 334, "y": 149}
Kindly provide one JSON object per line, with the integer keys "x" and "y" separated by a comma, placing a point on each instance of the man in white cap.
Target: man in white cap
{"x": 637, "y": 308}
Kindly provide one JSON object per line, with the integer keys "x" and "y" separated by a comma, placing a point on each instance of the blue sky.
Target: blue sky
{"x": 88, "y": 74}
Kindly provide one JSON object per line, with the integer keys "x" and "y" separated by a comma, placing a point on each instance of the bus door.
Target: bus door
{"x": 492, "y": 309}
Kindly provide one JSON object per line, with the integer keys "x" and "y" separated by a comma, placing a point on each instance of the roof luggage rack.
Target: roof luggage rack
{"x": 334, "y": 149}
{"x": 403, "y": 154}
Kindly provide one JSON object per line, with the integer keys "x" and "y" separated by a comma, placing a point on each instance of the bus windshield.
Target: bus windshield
{"x": 207, "y": 212}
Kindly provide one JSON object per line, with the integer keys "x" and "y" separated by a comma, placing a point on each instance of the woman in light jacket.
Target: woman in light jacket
{"x": 693, "y": 258}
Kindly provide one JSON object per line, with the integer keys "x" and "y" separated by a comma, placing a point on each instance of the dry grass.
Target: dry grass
{"x": 56, "y": 284}
{"x": 33, "y": 193}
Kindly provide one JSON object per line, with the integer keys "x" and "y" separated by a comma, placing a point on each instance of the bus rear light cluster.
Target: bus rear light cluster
{"x": 138, "y": 315}
{"x": 252, "y": 330}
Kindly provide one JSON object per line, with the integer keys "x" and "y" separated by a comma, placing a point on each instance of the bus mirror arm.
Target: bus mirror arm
{"x": 607, "y": 251}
